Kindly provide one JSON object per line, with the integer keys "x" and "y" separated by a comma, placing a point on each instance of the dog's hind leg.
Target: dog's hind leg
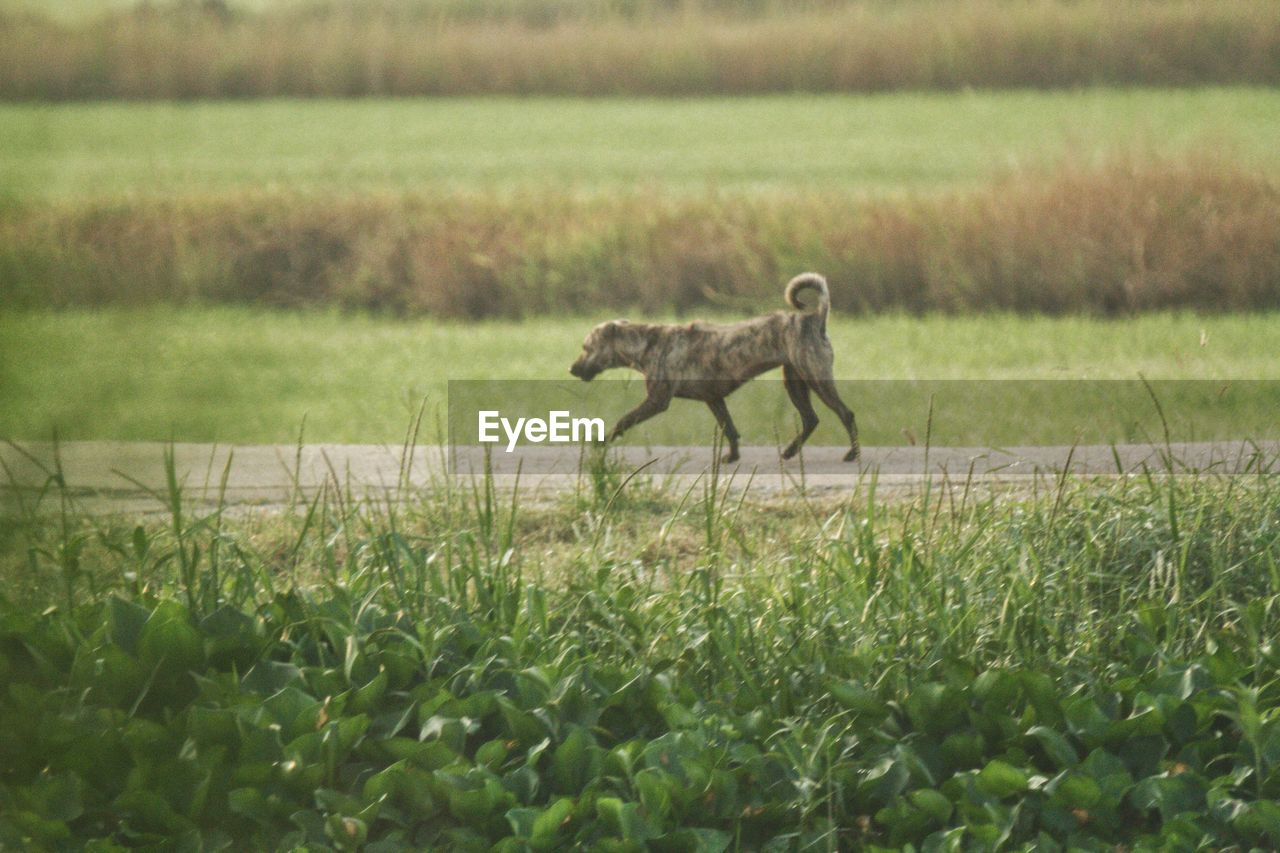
{"x": 798, "y": 391}
{"x": 721, "y": 411}
{"x": 826, "y": 389}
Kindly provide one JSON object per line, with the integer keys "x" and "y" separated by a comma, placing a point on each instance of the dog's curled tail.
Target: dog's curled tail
{"x": 810, "y": 281}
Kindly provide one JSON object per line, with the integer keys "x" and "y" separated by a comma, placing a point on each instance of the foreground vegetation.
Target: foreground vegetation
{"x": 1088, "y": 668}
{"x": 251, "y": 377}
{"x": 214, "y": 50}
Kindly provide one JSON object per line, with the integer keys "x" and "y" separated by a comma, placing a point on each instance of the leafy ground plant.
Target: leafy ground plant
{"x": 639, "y": 669}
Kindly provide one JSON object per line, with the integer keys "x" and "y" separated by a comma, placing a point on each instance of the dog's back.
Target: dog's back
{"x": 742, "y": 350}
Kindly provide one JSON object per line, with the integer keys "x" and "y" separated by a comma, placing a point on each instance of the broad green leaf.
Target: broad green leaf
{"x": 1073, "y": 790}
{"x": 1086, "y": 720}
{"x": 148, "y": 810}
{"x": 548, "y": 824}
{"x": 521, "y": 726}
{"x": 476, "y": 805}
{"x": 450, "y": 731}
{"x": 571, "y": 763}
{"x": 288, "y": 707}
{"x": 1044, "y": 696}
{"x": 1259, "y": 821}
{"x": 935, "y": 708}
{"x": 149, "y": 743}
{"x": 1056, "y": 746}
{"x": 521, "y": 820}
{"x": 854, "y": 697}
{"x": 230, "y": 638}
{"x": 1170, "y": 795}
{"x": 57, "y": 798}
{"x": 696, "y": 840}
{"x": 931, "y": 802}
{"x": 999, "y": 779}
{"x": 1148, "y": 721}
{"x": 963, "y": 750}
{"x": 996, "y": 688}
{"x": 347, "y": 833}
{"x": 125, "y": 621}
{"x": 170, "y": 641}
{"x": 429, "y": 755}
{"x": 523, "y": 782}
{"x": 888, "y": 778}
{"x": 209, "y": 726}
{"x": 268, "y": 677}
{"x": 654, "y": 787}
{"x": 492, "y": 753}
{"x": 623, "y": 819}
{"x": 367, "y": 697}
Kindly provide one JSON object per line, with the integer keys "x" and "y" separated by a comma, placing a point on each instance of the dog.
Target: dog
{"x": 708, "y": 362}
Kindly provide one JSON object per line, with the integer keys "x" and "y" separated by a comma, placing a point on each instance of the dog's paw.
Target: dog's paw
{"x": 853, "y": 455}
{"x": 729, "y": 458}
{"x": 790, "y": 452}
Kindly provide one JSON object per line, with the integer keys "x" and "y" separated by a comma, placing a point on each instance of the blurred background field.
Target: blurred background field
{"x": 199, "y": 199}
{"x": 222, "y": 49}
{"x": 785, "y": 144}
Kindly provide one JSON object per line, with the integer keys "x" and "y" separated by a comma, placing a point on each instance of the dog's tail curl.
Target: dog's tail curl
{"x": 810, "y": 281}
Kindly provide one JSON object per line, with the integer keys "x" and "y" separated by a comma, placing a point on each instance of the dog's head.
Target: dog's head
{"x": 601, "y": 350}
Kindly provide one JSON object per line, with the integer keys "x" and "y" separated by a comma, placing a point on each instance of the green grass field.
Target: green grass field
{"x": 247, "y": 376}
{"x": 884, "y": 143}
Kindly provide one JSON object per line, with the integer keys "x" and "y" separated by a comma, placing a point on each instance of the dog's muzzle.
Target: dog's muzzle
{"x": 583, "y": 372}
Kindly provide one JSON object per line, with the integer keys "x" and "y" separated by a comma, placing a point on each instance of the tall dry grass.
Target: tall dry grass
{"x": 1130, "y": 236}
{"x": 206, "y": 51}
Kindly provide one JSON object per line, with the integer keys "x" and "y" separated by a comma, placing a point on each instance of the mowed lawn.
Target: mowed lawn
{"x": 246, "y": 376}
{"x": 858, "y": 143}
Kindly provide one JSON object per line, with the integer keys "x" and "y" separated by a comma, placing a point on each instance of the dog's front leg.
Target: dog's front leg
{"x": 721, "y": 411}
{"x": 657, "y": 401}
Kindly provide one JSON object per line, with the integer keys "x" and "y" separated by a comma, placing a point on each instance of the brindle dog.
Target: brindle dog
{"x": 702, "y": 361}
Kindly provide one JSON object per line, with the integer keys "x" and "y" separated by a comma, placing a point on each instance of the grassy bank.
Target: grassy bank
{"x": 856, "y": 144}
{"x": 1088, "y": 669}
{"x": 1127, "y": 236}
{"x": 248, "y": 377}
{"x": 178, "y": 51}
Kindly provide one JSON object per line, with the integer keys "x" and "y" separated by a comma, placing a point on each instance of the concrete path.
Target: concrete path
{"x": 132, "y": 476}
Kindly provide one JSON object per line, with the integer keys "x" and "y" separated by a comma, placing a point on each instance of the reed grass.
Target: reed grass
{"x": 1113, "y": 239}
{"x": 345, "y": 50}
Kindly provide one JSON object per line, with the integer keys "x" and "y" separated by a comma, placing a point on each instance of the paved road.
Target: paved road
{"x": 131, "y": 476}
